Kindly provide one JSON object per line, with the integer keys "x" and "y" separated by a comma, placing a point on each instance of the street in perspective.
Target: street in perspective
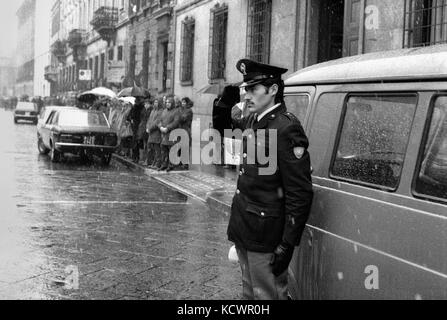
{"x": 79, "y": 230}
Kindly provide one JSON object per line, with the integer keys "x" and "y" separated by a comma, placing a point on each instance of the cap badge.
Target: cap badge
{"x": 243, "y": 69}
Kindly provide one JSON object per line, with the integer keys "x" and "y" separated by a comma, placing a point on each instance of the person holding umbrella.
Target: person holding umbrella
{"x": 134, "y": 116}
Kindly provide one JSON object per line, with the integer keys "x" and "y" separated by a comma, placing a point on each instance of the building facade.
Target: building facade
{"x": 25, "y": 48}
{"x": 212, "y": 35}
{"x": 88, "y": 41}
{"x": 151, "y": 45}
{"x": 183, "y": 47}
{"x": 7, "y": 77}
{"x": 42, "y": 87}
{"x": 32, "y": 52}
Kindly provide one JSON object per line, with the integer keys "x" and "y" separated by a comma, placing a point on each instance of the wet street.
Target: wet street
{"x": 83, "y": 231}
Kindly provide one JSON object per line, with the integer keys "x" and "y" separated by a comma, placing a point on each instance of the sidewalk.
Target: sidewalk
{"x": 210, "y": 184}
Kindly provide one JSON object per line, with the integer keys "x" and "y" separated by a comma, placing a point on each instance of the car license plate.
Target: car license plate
{"x": 90, "y": 140}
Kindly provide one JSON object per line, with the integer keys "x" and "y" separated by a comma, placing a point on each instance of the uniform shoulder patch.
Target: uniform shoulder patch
{"x": 290, "y": 116}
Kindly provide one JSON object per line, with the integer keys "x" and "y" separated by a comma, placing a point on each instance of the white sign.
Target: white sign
{"x": 116, "y": 71}
{"x": 85, "y": 75}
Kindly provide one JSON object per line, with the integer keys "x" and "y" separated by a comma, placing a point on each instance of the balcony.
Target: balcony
{"x": 76, "y": 41}
{"x": 76, "y": 38}
{"x": 59, "y": 50}
{"x": 104, "y": 22}
{"x": 50, "y": 74}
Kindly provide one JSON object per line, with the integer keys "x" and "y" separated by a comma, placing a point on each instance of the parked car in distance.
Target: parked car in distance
{"x": 78, "y": 132}
{"x": 26, "y": 111}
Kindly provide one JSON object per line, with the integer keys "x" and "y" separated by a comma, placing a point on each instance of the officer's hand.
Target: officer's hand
{"x": 281, "y": 258}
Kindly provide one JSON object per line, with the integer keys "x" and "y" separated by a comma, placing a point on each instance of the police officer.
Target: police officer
{"x": 269, "y": 212}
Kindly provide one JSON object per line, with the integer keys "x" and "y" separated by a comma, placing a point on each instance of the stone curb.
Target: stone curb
{"x": 211, "y": 199}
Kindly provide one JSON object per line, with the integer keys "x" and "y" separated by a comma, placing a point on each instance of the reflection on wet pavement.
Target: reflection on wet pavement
{"x": 121, "y": 234}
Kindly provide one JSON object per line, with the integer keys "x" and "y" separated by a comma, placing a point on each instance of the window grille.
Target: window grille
{"x": 218, "y": 39}
{"x": 258, "y": 30}
{"x": 425, "y": 23}
{"x": 146, "y": 60}
{"x": 132, "y": 62}
{"x": 120, "y": 53}
{"x": 96, "y": 67}
{"x": 187, "y": 53}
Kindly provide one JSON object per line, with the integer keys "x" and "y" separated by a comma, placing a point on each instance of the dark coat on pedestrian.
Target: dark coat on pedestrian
{"x": 145, "y": 113}
{"x": 222, "y": 108}
{"x": 186, "y": 117}
{"x": 152, "y": 126}
{"x": 270, "y": 209}
{"x": 170, "y": 120}
{"x": 135, "y": 117}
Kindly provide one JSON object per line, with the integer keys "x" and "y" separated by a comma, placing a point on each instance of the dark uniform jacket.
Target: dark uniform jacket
{"x": 170, "y": 120}
{"x": 270, "y": 209}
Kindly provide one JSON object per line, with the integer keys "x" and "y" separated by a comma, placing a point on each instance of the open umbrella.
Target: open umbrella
{"x": 102, "y": 92}
{"x": 132, "y": 92}
{"x": 130, "y": 100}
{"x": 97, "y": 92}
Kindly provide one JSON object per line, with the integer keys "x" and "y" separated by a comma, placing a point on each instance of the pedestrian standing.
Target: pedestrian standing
{"x": 154, "y": 160}
{"x": 186, "y": 118}
{"x": 169, "y": 122}
{"x": 269, "y": 212}
{"x": 125, "y": 129}
{"x": 142, "y": 135}
{"x": 135, "y": 119}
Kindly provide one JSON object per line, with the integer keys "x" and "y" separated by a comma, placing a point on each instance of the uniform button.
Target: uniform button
{"x": 262, "y": 214}
{"x": 245, "y": 156}
{"x": 238, "y": 191}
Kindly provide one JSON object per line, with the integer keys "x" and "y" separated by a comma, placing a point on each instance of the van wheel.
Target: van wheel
{"x": 105, "y": 159}
{"x": 55, "y": 155}
{"x": 41, "y": 147}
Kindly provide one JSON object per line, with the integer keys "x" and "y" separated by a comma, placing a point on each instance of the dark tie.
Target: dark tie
{"x": 255, "y": 120}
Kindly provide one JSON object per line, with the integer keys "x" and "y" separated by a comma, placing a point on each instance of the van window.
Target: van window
{"x": 374, "y": 138}
{"x": 432, "y": 178}
{"x": 298, "y": 105}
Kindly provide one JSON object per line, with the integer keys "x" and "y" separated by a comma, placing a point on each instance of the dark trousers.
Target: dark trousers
{"x": 165, "y": 150}
{"x": 154, "y": 154}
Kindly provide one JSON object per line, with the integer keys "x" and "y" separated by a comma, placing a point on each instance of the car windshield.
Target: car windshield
{"x": 78, "y": 118}
{"x": 26, "y": 106}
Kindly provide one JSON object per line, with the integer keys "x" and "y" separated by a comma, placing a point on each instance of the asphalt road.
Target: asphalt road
{"x": 77, "y": 230}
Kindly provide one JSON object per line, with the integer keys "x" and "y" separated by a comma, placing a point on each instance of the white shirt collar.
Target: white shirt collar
{"x": 266, "y": 112}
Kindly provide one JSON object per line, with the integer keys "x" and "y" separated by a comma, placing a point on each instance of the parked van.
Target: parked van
{"x": 377, "y": 125}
